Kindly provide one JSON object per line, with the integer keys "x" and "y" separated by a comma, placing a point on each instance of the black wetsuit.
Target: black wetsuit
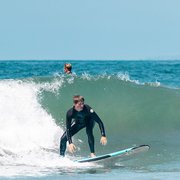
{"x": 75, "y": 121}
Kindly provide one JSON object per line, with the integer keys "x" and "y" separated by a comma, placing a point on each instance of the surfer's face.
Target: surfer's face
{"x": 79, "y": 106}
{"x": 66, "y": 70}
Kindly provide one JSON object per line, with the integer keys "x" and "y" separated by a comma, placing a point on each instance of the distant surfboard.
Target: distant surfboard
{"x": 117, "y": 154}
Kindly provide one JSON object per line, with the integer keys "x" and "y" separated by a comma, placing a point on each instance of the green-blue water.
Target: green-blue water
{"x": 137, "y": 101}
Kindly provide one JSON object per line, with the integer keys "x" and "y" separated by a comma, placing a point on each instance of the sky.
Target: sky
{"x": 89, "y": 29}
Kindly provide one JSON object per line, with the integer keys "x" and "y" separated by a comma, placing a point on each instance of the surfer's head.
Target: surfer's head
{"x": 78, "y": 102}
{"x": 67, "y": 68}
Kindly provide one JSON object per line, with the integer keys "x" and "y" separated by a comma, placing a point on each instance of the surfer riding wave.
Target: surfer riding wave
{"x": 78, "y": 117}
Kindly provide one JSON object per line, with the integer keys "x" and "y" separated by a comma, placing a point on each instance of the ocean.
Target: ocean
{"x": 138, "y": 101}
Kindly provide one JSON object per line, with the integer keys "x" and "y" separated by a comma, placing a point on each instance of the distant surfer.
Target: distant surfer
{"x": 68, "y": 68}
{"x": 78, "y": 117}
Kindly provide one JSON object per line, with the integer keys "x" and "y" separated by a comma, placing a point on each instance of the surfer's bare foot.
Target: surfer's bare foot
{"x": 92, "y": 155}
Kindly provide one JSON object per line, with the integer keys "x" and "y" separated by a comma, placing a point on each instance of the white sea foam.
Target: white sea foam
{"x": 27, "y": 132}
{"x": 25, "y": 125}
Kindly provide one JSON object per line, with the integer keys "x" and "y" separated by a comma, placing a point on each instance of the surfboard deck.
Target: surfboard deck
{"x": 117, "y": 154}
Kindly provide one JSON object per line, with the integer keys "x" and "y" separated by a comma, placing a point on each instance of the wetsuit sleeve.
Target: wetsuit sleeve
{"x": 68, "y": 126}
{"x": 96, "y": 118}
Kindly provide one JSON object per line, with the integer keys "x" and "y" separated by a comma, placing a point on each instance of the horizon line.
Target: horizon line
{"x": 89, "y": 59}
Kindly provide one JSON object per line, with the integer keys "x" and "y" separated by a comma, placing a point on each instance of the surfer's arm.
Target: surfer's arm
{"x": 100, "y": 123}
{"x": 68, "y": 127}
{"x": 71, "y": 146}
{"x": 96, "y": 118}
{"x": 103, "y": 139}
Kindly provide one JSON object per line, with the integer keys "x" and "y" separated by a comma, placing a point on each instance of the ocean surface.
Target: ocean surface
{"x": 138, "y": 101}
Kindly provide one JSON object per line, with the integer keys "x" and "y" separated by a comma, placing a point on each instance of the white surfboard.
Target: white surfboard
{"x": 117, "y": 154}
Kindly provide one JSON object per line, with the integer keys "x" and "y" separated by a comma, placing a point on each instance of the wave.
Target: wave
{"x": 23, "y": 118}
{"x": 129, "y": 110}
{"x": 33, "y": 115}
{"x": 29, "y": 136}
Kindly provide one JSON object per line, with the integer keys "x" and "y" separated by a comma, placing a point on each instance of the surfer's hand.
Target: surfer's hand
{"x": 71, "y": 148}
{"x": 103, "y": 140}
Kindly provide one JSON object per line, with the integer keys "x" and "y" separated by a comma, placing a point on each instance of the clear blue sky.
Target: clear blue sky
{"x": 94, "y": 29}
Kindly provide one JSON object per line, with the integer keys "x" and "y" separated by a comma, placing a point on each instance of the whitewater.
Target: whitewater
{"x": 137, "y": 101}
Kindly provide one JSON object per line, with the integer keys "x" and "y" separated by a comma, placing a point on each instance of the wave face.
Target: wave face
{"x": 33, "y": 118}
{"x": 123, "y": 105}
{"x": 132, "y": 113}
